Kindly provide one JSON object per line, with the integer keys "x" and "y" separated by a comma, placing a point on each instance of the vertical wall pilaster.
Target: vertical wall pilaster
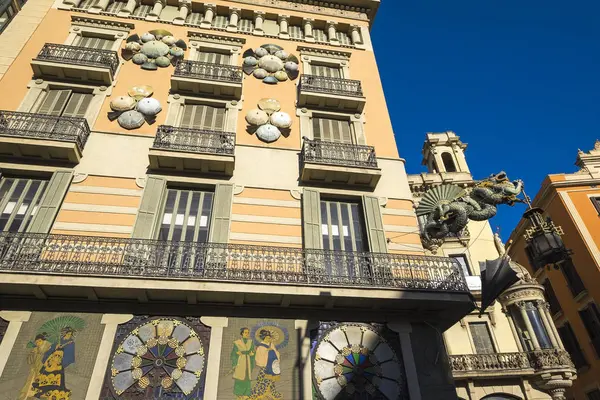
{"x": 404, "y": 330}
{"x": 15, "y": 321}
{"x": 305, "y": 359}
{"x": 213, "y": 363}
{"x": 111, "y": 323}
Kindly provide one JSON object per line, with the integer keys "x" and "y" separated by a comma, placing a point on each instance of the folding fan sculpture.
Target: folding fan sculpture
{"x": 157, "y": 48}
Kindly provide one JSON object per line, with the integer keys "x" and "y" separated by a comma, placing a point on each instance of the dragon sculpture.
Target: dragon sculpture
{"x": 449, "y": 208}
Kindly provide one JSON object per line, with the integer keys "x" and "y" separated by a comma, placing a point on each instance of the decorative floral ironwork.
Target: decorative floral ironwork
{"x": 345, "y": 87}
{"x": 194, "y": 140}
{"x": 208, "y": 71}
{"x": 139, "y": 258}
{"x": 63, "y": 53}
{"x": 348, "y": 155}
{"x": 41, "y": 126}
{"x": 534, "y": 360}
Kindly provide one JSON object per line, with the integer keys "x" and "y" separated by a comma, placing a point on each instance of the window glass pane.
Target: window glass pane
{"x": 18, "y": 201}
{"x": 180, "y": 215}
{"x": 522, "y": 329}
{"x": 538, "y": 326}
{"x": 167, "y": 215}
{"x": 482, "y": 338}
{"x": 359, "y": 228}
{"x": 464, "y": 264}
{"x": 346, "y": 229}
{"x": 186, "y": 215}
{"x": 203, "y": 222}
{"x": 325, "y": 226}
{"x": 334, "y": 227}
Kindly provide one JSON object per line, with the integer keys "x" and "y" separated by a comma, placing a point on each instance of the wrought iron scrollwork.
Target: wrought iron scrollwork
{"x": 348, "y": 155}
{"x": 79, "y": 55}
{"x": 322, "y": 84}
{"x": 209, "y": 71}
{"x": 194, "y": 140}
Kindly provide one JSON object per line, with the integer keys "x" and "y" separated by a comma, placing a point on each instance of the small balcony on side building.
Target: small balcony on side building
{"x": 332, "y": 93}
{"x": 76, "y": 63}
{"x": 339, "y": 163}
{"x": 207, "y": 79}
{"x": 193, "y": 150}
{"x": 42, "y": 136}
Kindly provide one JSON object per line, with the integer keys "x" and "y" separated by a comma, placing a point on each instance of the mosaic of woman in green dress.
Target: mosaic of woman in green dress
{"x": 242, "y": 360}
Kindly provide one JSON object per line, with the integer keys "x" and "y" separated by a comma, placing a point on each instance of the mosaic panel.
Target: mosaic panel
{"x": 259, "y": 360}
{"x": 53, "y": 357}
{"x": 158, "y": 358}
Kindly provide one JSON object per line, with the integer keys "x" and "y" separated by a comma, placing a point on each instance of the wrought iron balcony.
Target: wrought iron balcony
{"x": 334, "y": 93}
{"x": 207, "y": 78}
{"x": 519, "y": 363}
{"x": 19, "y": 128}
{"x": 76, "y": 62}
{"x": 322, "y": 84}
{"x": 202, "y": 70}
{"x": 143, "y": 259}
{"x": 194, "y": 140}
{"x": 344, "y": 154}
{"x": 193, "y": 149}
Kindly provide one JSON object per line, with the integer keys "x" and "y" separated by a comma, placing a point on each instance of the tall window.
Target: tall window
{"x": 19, "y": 200}
{"x": 552, "y": 300}
{"x": 95, "y": 42}
{"x": 572, "y": 345}
{"x": 342, "y": 226}
{"x": 332, "y": 130}
{"x": 463, "y": 262}
{"x": 572, "y": 277}
{"x": 65, "y": 102}
{"x": 186, "y": 216}
{"x": 591, "y": 319}
{"x": 448, "y": 162}
{"x": 326, "y": 71}
{"x": 482, "y": 338}
{"x": 201, "y": 116}
{"x": 596, "y": 203}
{"x": 536, "y": 322}
{"x": 213, "y": 57}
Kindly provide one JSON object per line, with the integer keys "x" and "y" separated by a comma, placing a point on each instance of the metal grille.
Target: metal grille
{"x": 19, "y": 200}
{"x": 68, "y": 129}
{"x": 194, "y": 140}
{"x": 324, "y": 84}
{"x": 216, "y": 72}
{"x": 79, "y": 55}
{"x": 143, "y": 259}
{"x": 332, "y": 153}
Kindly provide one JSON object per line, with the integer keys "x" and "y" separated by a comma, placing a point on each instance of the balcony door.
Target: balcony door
{"x": 67, "y": 103}
{"x": 203, "y": 124}
{"x": 213, "y": 65}
{"x": 98, "y": 43}
{"x": 19, "y": 201}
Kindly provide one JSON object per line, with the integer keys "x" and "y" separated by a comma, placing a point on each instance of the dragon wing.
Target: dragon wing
{"x": 437, "y": 196}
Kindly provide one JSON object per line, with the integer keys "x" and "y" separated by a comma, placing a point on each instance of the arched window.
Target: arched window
{"x": 448, "y": 162}
{"x": 500, "y": 396}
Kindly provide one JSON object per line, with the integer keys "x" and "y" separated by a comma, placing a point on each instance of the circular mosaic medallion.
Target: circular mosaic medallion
{"x": 353, "y": 361}
{"x": 161, "y": 353}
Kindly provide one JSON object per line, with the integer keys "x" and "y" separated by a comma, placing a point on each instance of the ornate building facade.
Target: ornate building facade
{"x": 512, "y": 350}
{"x": 571, "y": 201}
{"x": 195, "y": 203}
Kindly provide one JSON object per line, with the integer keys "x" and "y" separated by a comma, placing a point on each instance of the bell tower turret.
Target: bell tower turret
{"x": 444, "y": 152}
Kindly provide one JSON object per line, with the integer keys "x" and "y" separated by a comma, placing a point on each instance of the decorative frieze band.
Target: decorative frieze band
{"x": 101, "y": 23}
{"x": 313, "y": 51}
{"x": 218, "y": 39}
{"x": 315, "y": 6}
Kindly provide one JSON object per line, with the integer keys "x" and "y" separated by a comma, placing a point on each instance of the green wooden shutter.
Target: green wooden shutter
{"x": 187, "y": 118}
{"x": 78, "y": 105}
{"x": 221, "y": 214}
{"x": 54, "y": 102}
{"x": 374, "y": 224}
{"x": 145, "y": 222}
{"x": 50, "y": 203}
{"x": 311, "y": 219}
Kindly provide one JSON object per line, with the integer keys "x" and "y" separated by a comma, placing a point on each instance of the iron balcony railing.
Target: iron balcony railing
{"x": 79, "y": 55}
{"x": 344, "y": 154}
{"x": 194, "y": 140}
{"x": 208, "y": 71}
{"x": 41, "y": 126}
{"x": 322, "y": 84}
{"x": 143, "y": 259}
{"x": 504, "y": 362}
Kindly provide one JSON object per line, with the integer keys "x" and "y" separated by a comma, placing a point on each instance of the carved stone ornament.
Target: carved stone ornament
{"x": 154, "y": 49}
{"x": 267, "y": 121}
{"x": 271, "y": 63}
{"x": 137, "y": 107}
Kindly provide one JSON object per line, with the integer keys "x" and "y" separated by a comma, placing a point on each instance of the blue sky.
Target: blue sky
{"x": 517, "y": 80}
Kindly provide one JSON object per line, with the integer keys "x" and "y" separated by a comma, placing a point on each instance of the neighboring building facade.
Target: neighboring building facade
{"x": 8, "y": 11}
{"x": 493, "y": 356}
{"x": 216, "y": 229}
{"x": 572, "y": 201}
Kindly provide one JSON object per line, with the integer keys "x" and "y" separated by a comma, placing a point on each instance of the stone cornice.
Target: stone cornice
{"x": 218, "y": 39}
{"x": 101, "y": 23}
{"x": 313, "y": 51}
{"x": 316, "y": 7}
